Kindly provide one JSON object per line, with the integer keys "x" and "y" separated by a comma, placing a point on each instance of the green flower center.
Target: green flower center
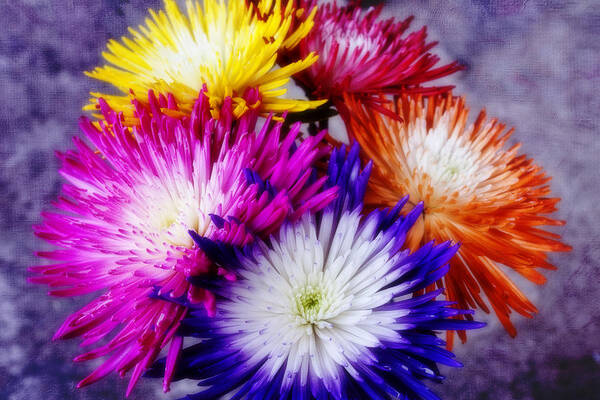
{"x": 308, "y": 302}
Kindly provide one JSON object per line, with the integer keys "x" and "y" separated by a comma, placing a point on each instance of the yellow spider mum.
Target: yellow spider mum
{"x": 229, "y": 46}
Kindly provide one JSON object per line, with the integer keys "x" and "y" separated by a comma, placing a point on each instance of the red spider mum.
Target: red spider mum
{"x": 360, "y": 53}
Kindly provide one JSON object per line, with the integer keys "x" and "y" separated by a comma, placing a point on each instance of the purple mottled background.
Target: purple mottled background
{"x": 533, "y": 64}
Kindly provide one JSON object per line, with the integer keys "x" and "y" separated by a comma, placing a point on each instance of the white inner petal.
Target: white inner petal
{"x": 183, "y": 64}
{"x": 351, "y": 39}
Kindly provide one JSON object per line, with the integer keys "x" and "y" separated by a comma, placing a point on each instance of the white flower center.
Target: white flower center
{"x": 448, "y": 158}
{"x": 183, "y": 62}
{"x": 167, "y": 213}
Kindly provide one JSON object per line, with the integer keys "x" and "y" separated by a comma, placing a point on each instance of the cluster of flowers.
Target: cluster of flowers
{"x": 296, "y": 267}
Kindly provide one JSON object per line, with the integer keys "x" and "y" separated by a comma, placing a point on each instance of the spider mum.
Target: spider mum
{"x": 229, "y": 46}
{"x": 476, "y": 190}
{"x": 359, "y": 53}
{"x": 122, "y": 221}
{"x": 325, "y": 309}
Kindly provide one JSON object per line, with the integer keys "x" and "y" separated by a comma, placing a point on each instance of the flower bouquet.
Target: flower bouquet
{"x": 230, "y": 238}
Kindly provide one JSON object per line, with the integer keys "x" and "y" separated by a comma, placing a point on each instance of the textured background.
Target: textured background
{"x": 533, "y": 64}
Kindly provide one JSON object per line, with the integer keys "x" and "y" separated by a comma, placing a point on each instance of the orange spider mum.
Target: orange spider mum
{"x": 476, "y": 191}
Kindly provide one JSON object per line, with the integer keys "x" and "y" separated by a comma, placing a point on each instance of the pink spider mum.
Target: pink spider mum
{"x": 361, "y": 54}
{"x": 122, "y": 222}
